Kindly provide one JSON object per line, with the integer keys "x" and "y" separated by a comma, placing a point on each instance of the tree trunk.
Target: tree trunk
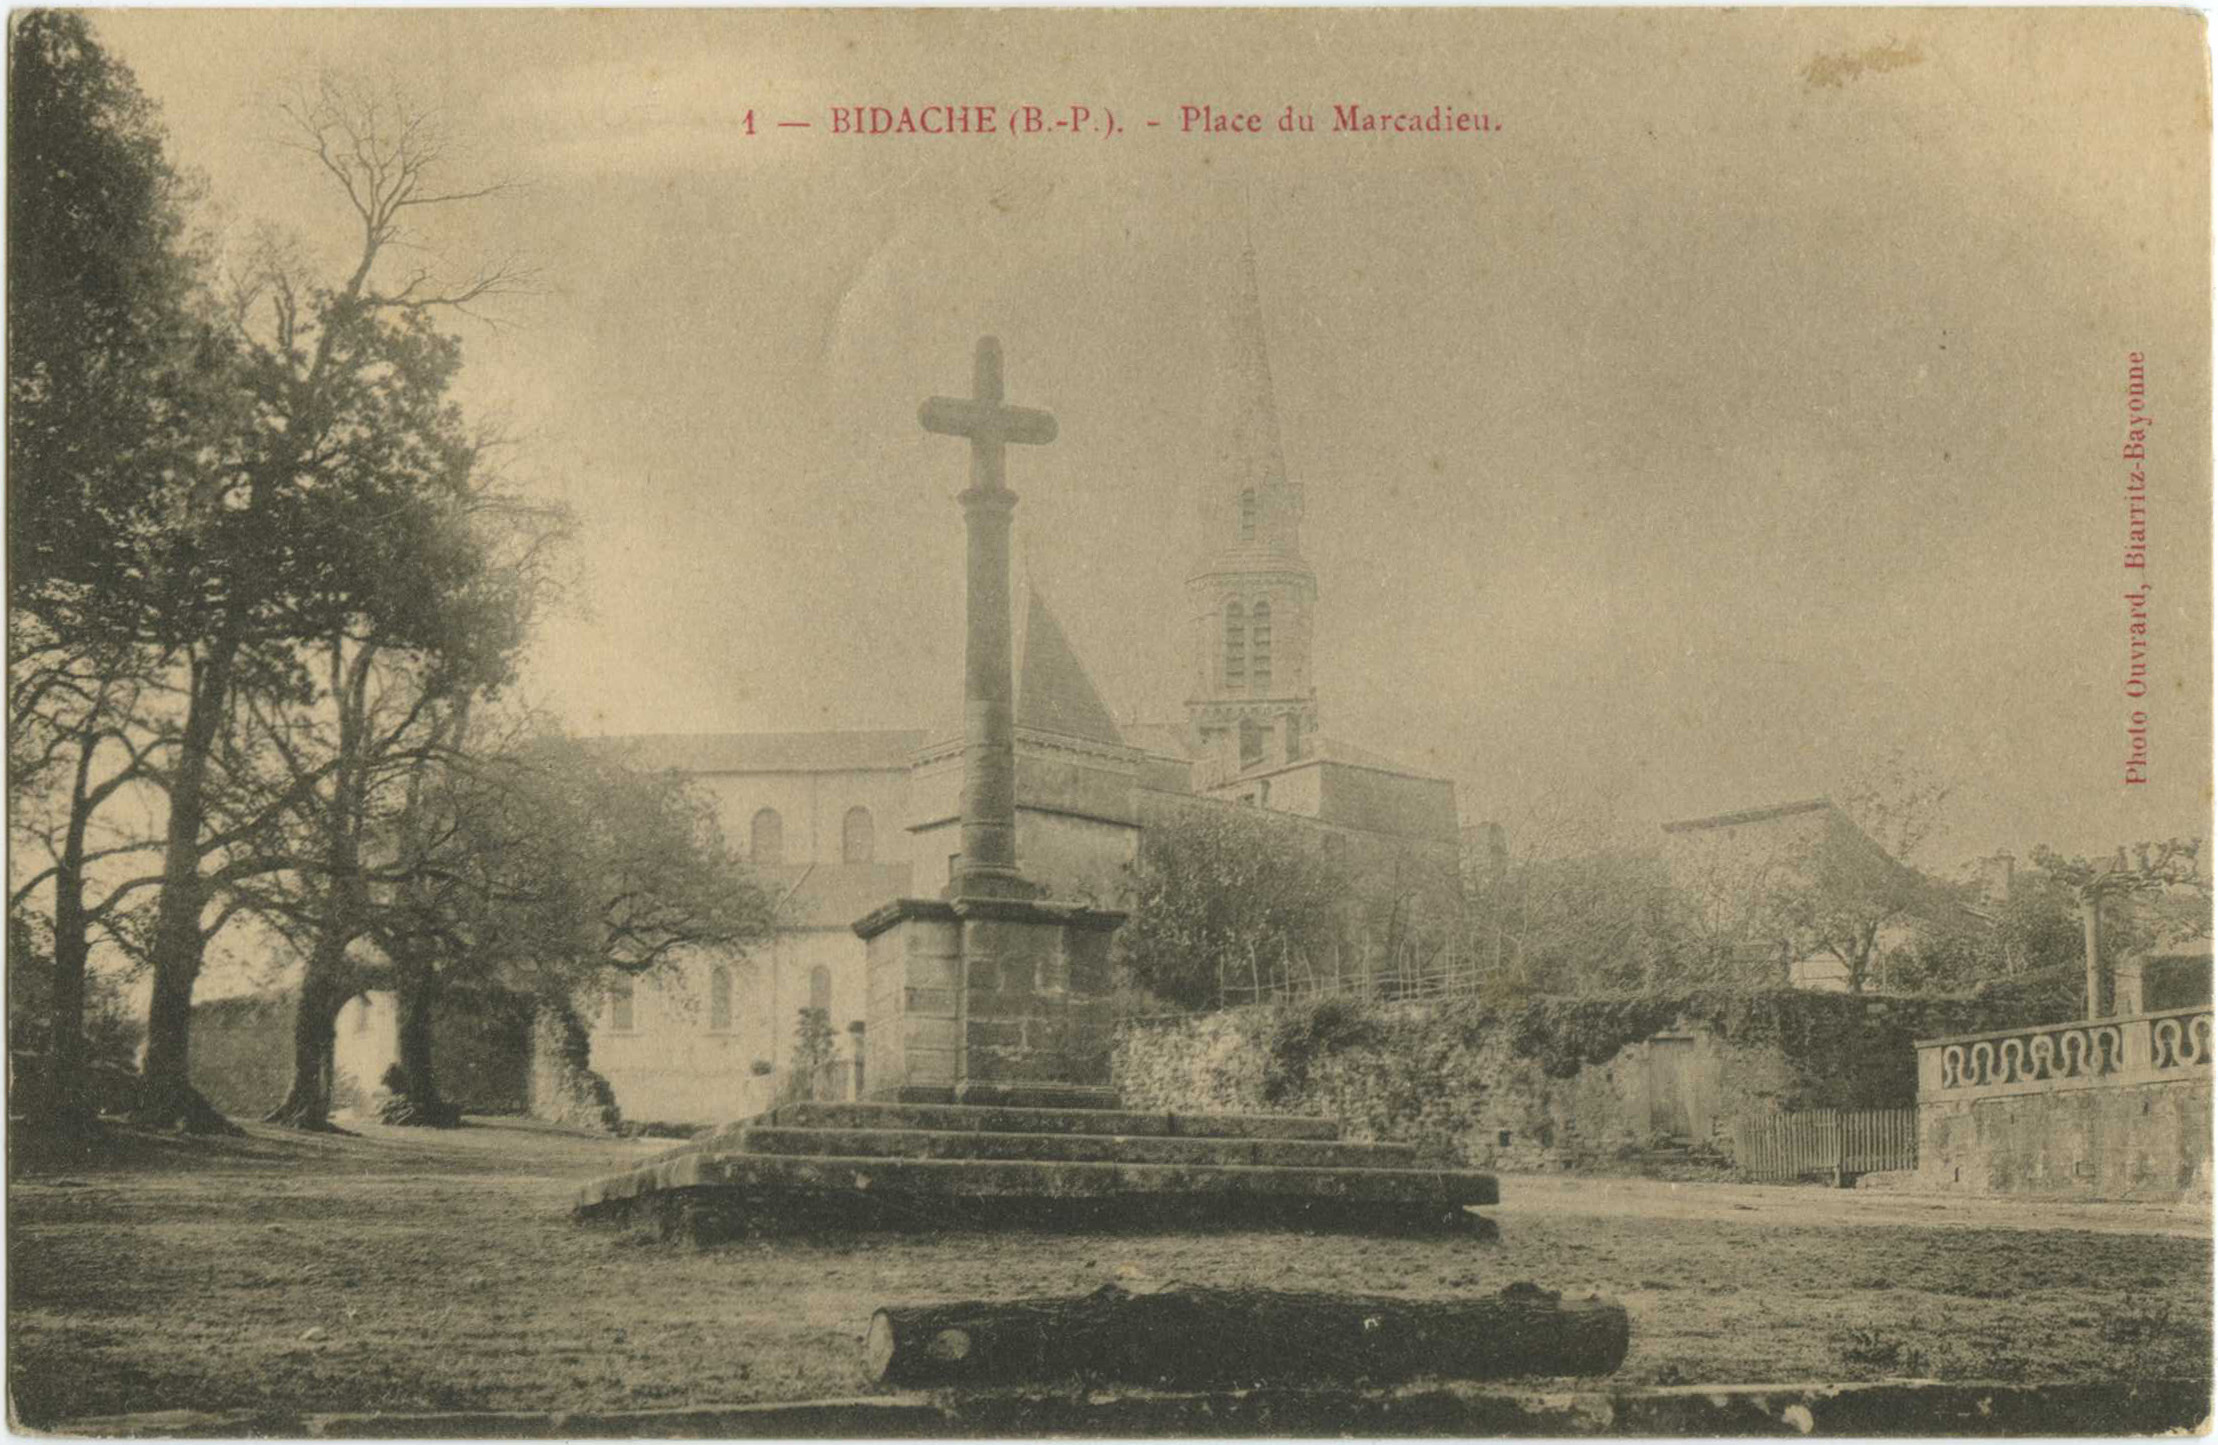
{"x": 1185, "y": 1336}
{"x": 168, "y": 1098}
{"x": 419, "y": 1101}
{"x": 72, "y": 949}
{"x": 323, "y": 994}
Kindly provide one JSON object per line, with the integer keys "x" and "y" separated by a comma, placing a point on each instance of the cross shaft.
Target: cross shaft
{"x": 987, "y": 866}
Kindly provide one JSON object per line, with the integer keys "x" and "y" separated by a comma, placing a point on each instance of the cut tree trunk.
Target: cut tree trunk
{"x": 1184, "y": 1336}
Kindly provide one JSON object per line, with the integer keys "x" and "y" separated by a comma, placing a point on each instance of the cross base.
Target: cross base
{"x": 991, "y": 1000}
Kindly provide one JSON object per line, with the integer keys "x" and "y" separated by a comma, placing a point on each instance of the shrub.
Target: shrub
{"x": 1309, "y": 1029}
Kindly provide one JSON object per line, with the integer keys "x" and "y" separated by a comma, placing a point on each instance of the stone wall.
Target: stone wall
{"x": 564, "y": 1089}
{"x": 1547, "y": 1085}
{"x": 2147, "y": 1140}
{"x": 242, "y": 1052}
{"x": 2104, "y": 1108}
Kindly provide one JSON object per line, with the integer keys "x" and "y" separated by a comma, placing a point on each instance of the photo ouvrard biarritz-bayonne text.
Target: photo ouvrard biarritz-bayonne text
{"x": 1111, "y": 723}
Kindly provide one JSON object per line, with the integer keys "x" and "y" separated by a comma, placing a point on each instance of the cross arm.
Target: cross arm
{"x": 986, "y": 421}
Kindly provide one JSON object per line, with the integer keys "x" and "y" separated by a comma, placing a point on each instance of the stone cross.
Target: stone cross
{"x": 987, "y": 867}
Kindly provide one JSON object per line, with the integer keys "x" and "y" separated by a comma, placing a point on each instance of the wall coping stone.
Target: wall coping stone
{"x": 2113, "y": 1019}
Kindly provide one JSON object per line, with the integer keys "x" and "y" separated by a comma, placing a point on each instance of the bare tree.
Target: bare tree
{"x": 332, "y": 512}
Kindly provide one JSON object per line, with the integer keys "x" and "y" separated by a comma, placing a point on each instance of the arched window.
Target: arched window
{"x": 1236, "y": 646}
{"x": 766, "y": 842}
{"x": 362, "y": 1014}
{"x": 720, "y": 999}
{"x": 820, "y": 988}
{"x": 1259, "y": 648}
{"x": 620, "y": 1006}
{"x": 1247, "y": 514}
{"x": 858, "y": 839}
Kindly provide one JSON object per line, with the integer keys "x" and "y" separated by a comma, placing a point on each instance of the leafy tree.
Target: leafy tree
{"x": 343, "y": 762}
{"x": 109, "y": 1031}
{"x": 1226, "y": 900}
{"x": 115, "y": 380}
{"x": 105, "y": 339}
{"x": 1592, "y": 922}
{"x": 1577, "y": 906}
{"x": 543, "y": 865}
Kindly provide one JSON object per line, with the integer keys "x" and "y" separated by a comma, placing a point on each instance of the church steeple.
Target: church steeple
{"x": 1265, "y": 507}
{"x": 1251, "y": 595}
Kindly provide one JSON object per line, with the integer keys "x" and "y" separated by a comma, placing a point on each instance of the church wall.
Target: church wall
{"x": 812, "y": 808}
{"x": 1075, "y": 859}
{"x": 1383, "y": 802}
{"x": 1078, "y": 778}
{"x": 1299, "y": 791}
{"x": 673, "y": 1067}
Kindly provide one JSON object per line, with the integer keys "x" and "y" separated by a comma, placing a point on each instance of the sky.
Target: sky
{"x": 1747, "y": 403}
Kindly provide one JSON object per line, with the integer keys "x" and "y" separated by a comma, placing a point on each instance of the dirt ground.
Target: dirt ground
{"x": 409, "y": 1270}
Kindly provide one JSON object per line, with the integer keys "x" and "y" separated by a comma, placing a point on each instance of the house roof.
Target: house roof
{"x": 1752, "y": 815}
{"x": 822, "y": 752}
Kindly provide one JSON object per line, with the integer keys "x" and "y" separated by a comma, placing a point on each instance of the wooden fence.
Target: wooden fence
{"x": 1830, "y": 1143}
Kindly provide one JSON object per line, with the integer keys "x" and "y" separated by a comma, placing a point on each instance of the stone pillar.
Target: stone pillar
{"x": 2098, "y": 977}
{"x": 2126, "y": 993}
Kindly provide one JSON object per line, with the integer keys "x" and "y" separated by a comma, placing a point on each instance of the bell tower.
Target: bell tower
{"x": 1251, "y": 599}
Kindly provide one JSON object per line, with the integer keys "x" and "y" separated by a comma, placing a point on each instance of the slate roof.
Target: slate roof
{"x": 825, "y": 752}
{"x": 1163, "y": 739}
{"x": 1053, "y": 692}
{"x": 831, "y": 895}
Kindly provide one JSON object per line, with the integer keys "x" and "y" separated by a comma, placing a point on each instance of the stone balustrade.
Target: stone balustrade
{"x": 2050, "y": 1058}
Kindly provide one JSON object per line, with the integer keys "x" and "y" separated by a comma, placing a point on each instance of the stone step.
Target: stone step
{"x": 1064, "y": 1148}
{"x": 744, "y": 1180}
{"x": 1003, "y": 1119}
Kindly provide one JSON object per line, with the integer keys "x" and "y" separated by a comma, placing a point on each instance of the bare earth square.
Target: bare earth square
{"x": 409, "y": 1271}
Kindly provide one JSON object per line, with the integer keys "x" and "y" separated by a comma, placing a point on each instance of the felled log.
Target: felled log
{"x": 1179, "y": 1336}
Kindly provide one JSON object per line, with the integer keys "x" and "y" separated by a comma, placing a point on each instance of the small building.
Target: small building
{"x": 1742, "y": 872}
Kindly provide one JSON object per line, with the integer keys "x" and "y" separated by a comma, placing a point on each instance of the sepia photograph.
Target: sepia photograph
{"x": 1114, "y": 723}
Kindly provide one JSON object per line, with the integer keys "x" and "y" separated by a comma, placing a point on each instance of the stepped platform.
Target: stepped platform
{"x": 821, "y": 1166}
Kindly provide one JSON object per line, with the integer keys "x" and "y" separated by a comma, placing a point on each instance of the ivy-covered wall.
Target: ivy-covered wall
{"x": 1553, "y": 1082}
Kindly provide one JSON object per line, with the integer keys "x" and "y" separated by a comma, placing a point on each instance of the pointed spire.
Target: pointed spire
{"x": 1249, "y": 497}
{"x": 1257, "y": 459}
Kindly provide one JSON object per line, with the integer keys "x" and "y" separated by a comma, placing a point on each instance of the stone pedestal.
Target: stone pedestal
{"x": 989, "y": 1001}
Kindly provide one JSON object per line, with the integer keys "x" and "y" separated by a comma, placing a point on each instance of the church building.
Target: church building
{"x": 840, "y": 823}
